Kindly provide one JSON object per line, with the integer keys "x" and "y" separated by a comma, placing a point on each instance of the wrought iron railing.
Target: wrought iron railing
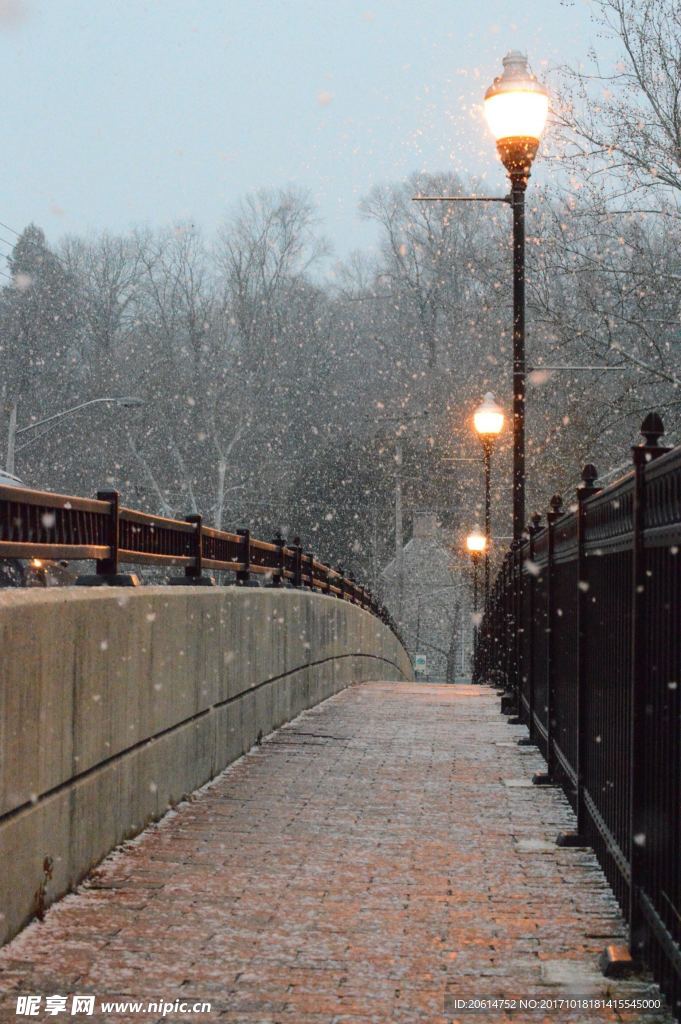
{"x": 43, "y": 525}
{"x": 583, "y": 630}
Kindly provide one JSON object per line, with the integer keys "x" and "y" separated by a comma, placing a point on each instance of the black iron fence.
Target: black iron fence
{"x": 43, "y": 525}
{"x": 583, "y": 630}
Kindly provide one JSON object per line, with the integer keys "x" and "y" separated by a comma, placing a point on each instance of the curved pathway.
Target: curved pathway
{"x": 370, "y": 862}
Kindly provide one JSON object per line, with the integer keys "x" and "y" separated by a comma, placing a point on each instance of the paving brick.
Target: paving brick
{"x": 380, "y": 852}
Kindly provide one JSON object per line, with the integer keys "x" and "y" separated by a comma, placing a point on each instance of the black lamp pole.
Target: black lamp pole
{"x": 487, "y": 457}
{"x": 518, "y": 186}
{"x": 475, "y": 556}
{"x": 517, "y": 155}
{"x": 516, "y": 105}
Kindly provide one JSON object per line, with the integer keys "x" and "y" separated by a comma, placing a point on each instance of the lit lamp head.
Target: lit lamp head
{"x": 488, "y": 418}
{"x": 476, "y": 543}
{"x": 516, "y": 108}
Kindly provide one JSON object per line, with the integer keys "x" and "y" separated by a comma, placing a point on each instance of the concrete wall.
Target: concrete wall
{"x": 116, "y": 703}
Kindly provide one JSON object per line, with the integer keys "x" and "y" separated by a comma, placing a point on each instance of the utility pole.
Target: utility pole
{"x": 374, "y": 558}
{"x": 399, "y": 534}
{"x": 11, "y": 438}
{"x": 400, "y": 420}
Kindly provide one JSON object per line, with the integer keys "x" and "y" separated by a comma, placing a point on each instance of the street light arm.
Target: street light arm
{"x": 31, "y": 440}
{"x": 66, "y": 412}
{"x": 614, "y": 369}
{"x": 462, "y": 199}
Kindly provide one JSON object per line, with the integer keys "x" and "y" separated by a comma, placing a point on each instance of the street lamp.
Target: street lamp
{"x": 516, "y": 108}
{"x": 476, "y": 544}
{"x": 488, "y": 420}
{"x": 125, "y": 402}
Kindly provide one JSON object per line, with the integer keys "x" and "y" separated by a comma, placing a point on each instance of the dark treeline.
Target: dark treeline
{"x": 276, "y": 383}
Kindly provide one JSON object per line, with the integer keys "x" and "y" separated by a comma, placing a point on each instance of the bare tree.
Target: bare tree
{"x": 623, "y": 124}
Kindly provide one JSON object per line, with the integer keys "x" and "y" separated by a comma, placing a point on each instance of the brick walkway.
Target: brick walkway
{"x": 366, "y": 863}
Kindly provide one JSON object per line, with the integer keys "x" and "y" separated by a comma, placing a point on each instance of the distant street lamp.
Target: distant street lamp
{"x": 516, "y": 108}
{"x": 127, "y": 402}
{"x": 488, "y": 420}
{"x": 476, "y": 545}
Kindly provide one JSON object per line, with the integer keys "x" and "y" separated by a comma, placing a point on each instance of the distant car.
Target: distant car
{"x": 32, "y": 572}
{"x": 10, "y": 480}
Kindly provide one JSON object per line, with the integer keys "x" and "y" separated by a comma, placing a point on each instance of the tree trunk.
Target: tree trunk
{"x": 11, "y": 437}
{"x": 219, "y": 504}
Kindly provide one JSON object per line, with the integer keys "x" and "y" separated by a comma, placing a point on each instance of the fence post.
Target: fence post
{"x": 556, "y": 511}
{"x": 586, "y": 490}
{"x": 520, "y": 626}
{"x": 495, "y": 639}
{"x": 106, "y": 570}
{"x": 278, "y": 576}
{"x": 310, "y": 556}
{"x": 502, "y": 631}
{"x": 509, "y": 699}
{"x": 109, "y": 566}
{"x": 193, "y": 574}
{"x": 297, "y": 563}
{"x": 652, "y": 429}
{"x": 531, "y": 740}
{"x": 243, "y": 576}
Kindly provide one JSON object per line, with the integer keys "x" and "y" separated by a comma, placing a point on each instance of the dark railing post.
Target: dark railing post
{"x": 652, "y": 429}
{"x": 509, "y": 700}
{"x": 556, "y": 511}
{"x": 243, "y": 576}
{"x": 310, "y": 556}
{"x": 530, "y": 639}
{"x": 278, "y": 574}
{"x": 106, "y": 571}
{"x": 500, "y": 631}
{"x": 340, "y": 582}
{"x": 195, "y": 570}
{"x": 193, "y": 574}
{"x": 109, "y": 566}
{"x": 298, "y": 563}
{"x": 586, "y": 490}
{"x": 520, "y": 625}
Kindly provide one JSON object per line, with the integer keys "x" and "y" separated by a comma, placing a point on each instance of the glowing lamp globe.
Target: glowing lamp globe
{"x": 488, "y": 418}
{"x": 476, "y": 542}
{"x": 516, "y": 108}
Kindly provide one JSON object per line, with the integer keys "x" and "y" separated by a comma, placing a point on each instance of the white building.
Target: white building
{"x": 428, "y": 597}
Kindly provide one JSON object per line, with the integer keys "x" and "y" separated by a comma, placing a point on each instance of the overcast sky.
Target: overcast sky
{"x": 127, "y": 112}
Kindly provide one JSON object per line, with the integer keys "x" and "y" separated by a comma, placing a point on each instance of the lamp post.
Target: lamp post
{"x": 476, "y": 545}
{"x": 127, "y": 402}
{"x": 516, "y": 108}
{"x": 488, "y": 420}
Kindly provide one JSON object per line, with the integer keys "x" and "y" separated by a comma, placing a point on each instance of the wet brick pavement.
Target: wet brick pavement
{"x": 368, "y": 863}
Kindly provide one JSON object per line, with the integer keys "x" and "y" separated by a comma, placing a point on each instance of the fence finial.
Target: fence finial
{"x": 652, "y": 429}
{"x": 556, "y": 504}
{"x": 589, "y": 475}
